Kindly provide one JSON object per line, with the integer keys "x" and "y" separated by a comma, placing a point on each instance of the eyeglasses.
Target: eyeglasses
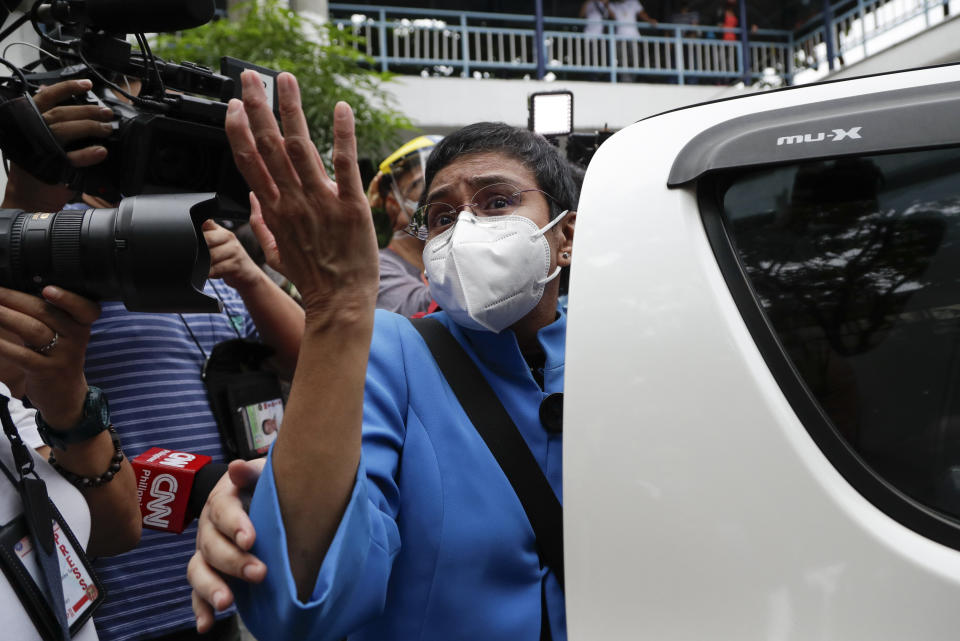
{"x": 498, "y": 199}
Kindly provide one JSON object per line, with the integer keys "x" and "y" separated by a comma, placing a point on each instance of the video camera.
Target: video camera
{"x": 168, "y": 138}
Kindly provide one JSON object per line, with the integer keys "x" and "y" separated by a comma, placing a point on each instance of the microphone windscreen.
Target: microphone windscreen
{"x": 203, "y": 482}
{"x": 148, "y": 16}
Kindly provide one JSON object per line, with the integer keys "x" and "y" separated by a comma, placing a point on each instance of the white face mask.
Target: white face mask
{"x": 488, "y": 273}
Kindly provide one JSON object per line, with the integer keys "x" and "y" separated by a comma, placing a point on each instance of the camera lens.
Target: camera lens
{"x": 148, "y": 252}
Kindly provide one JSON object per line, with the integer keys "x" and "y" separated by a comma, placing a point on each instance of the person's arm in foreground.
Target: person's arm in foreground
{"x": 55, "y": 384}
{"x": 279, "y": 319}
{"x": 325, "y": 237}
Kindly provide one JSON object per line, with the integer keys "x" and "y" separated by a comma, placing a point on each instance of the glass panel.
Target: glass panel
{"x": 857, "y": 264}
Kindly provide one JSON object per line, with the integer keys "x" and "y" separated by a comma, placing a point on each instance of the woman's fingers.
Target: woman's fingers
{"x": 245, "y": 153}
{"x": 349, "y": 183}
{"x": 222, "y": 553}
{"x": 297, "y": 142}
{"x": 266, "y": 133}
{"x": 202, "y": 612}
{"x": 209, "y": 588}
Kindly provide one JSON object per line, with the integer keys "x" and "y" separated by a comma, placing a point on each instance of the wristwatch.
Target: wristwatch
{"x": 95, "y": 419}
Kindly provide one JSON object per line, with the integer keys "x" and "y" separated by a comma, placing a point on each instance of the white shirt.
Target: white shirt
{"x": 626, "y": 12}
{"x": 594, "y": 17}
{"x": 14, "y": 621}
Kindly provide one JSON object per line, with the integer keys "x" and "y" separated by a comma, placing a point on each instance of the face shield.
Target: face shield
{"x": 406, "y": 167}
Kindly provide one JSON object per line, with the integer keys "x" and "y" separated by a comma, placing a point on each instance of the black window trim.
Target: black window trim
{"x": 902, "y": 508}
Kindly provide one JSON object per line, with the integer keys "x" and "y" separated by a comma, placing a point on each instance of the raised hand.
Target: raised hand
{"x": 322, "y": 229}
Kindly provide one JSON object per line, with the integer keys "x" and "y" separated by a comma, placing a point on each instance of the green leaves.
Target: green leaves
{"x": 325, "y": 60}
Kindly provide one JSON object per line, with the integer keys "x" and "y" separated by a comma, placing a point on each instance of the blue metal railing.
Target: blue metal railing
{"x": 860, "y": 28}
{"x": 464, "y": 43}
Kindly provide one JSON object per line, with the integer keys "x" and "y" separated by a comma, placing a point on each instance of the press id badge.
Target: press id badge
{"x": 82, "y": 590}
{"x": 261, "y": 422}
{"x": 245, "y": 397}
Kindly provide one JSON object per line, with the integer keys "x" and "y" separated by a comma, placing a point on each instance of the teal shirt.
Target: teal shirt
{"x": 434, "y": 544}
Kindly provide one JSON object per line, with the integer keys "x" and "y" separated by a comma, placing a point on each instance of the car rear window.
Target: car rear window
{"x": 856, "y": 265}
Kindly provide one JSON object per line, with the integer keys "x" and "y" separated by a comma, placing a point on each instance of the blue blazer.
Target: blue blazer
{"x": 434, "y": 544}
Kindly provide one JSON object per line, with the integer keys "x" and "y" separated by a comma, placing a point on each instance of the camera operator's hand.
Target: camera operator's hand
{"x": 224, "y": 536}
{"x": 279, "y": 319}
{"x": 68, "y": 123}
{"x": 228, "y": 259}
{"x": 46, "y": 338}
{"x": 53, "y": 332}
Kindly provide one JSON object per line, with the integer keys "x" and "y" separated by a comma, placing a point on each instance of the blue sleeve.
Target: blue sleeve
{"x": 351, "y": 586}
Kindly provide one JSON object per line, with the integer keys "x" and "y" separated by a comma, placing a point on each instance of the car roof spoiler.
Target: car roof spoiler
{"x": 906, "y": 119}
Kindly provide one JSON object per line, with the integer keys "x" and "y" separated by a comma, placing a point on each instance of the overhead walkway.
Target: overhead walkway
{"x": 934, "y": 45}
{"x": 456, "y": 67}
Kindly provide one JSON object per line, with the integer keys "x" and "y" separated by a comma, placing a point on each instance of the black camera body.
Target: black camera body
{"x": 169, "y": 164}
{"x": 155, "y": 153}
{"x": 166, "y": 138}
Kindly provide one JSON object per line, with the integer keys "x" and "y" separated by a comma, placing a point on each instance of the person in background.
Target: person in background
{"x": 627, "y": 13}
{"x": 397, "y": 188}
{"x": 595, "y": 12}
{"x": 729, "y": 20}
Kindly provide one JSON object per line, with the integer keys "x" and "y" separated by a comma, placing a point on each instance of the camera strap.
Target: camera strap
{"x": 39, "y": 517}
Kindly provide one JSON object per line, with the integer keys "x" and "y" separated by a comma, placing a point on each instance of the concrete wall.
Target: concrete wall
{"x": 440, "y": 105}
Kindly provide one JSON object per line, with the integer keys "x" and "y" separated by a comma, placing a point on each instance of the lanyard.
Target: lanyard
{"x": 36, "y": 509}
{"x": 226, "y": 310}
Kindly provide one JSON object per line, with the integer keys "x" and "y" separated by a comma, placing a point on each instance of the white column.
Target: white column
{"x": 317, "y": 8}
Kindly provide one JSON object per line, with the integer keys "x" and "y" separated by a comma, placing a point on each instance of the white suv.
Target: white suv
{"x": 762, "y": 409}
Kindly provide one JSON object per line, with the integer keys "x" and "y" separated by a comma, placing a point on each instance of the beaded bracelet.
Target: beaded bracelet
{"x": 84, "y": 482}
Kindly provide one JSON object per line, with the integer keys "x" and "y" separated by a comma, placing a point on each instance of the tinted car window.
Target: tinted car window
{"x": 856, "y": 263}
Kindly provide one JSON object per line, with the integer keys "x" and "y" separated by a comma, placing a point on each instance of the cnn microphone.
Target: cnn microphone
{"x": 172, "y": 486}
{"x": 132, "y": 16}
